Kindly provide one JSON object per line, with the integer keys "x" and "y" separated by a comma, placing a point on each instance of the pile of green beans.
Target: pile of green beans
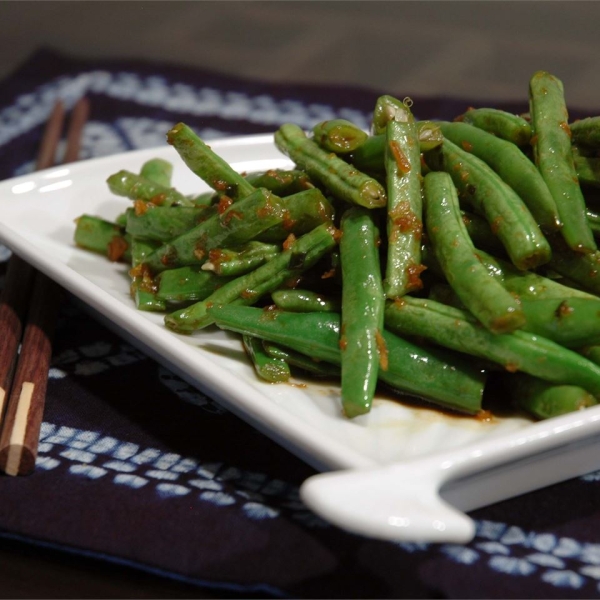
{"x": 448, "y": 261}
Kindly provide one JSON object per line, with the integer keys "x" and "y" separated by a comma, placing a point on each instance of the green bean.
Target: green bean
{"x": 587, "y": 169}
{"x": 234, "y": 262}
{"x": 586, "y": 132}
{"x": 527, "y": 284}
{"x": 249, "y": 288}
{"x": 405, "y": 209}
{"x": 388, "y": 108}
{"x": 545, "y": 400}
{"x": 516, "y": 351}
{"x": 447, "y": 381}
{"x": 481, "y": 234}
{"x": 163, "y": 223}
{"x": 186, "y": 285}
{"x": 305, "y": 301}
{"x": 340, "y": 178}
{"x": 143, "y": 288}
{"x": 583, "y": 269}
{"x": 269, "y": 368}
{"x": 135, "y": 187}
{"x": 554, "y": 158}
{"x": 500, "y": 123}
{"x": 158, "y": 170}
{"x": 280, "y": 181}
{"x": 593, "y": 219}
{"x": 210, "y": 167}
{"x": 318, "y": 368}
{"x": 512, "y": 166}
{"x": 363, "y": 350}
{"x": 369, "y": 157}
{"x": 509, "y": 218}
{"x": 572, "y": 322}
{"x": 95, "y": 234}
{"x": 339, "y": 136}
{"x": 302, "y": 213}
{"x": 485, "y": 297}
{"x": 238, "y": 224}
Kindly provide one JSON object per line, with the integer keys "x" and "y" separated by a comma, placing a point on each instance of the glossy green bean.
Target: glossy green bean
{"x": 586, "y": 132}
{"x": 361, "y": 342}
{"x": 317, "y": 368}
{"x": 554, "y": 158}
{"x": 485, "y": 297}
{"x": 186, "y": 285}
{"x": 305, "y": 301}
{"x": 163, "y": 223}
{"x": 267, "y": 367}
{"x": 338, "y": 135}
{"x": 234, "y": 262}
{"x": 500, "y": 123}
{"x": 545, "y": 400}
{"x": 135, "y": 187}
{"x": 158, "y": 170}
{"x": 205, "y": 163}
{"x": 404, "y": 209}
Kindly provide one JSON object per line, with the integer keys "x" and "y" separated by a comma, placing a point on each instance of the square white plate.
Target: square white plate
{"x": 37, "y": 214}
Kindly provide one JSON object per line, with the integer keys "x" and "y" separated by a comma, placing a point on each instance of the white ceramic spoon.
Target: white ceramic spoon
{"x": 423, "y": 499}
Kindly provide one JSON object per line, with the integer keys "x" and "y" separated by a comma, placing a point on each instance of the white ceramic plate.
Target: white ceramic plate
{"x": 426, "y": 448}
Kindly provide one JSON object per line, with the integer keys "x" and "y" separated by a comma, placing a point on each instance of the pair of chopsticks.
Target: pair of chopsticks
{"x": 28, "y": 310}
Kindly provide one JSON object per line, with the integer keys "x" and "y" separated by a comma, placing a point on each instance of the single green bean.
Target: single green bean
{"x": 269, "y": 368}
{"x": 500, "y": 123}
{"x": 210, "y": 167}
{"x": 340, "y": 178}
{"x": 361, "y": 342}
{"x": 587, "y": 169}
{"x": 545, "y": 400}
{"x": 318, "y": 368}
{"x": 158, "y": 170}
{"x": 280, "y": 181}
{"x": 339, "y": 136}
{"x": 143, "y": 288}
{"x": 135, "y": 187}
{"x": 186, "y": 285}
{"x": 305, "y": 301}
{"x": 554, "y": 158}
{"x": 95, "y": 234}
{"x": 234, "y": 262}
{"x": 163, "y": 223}
{"x": 586, "y": 132}
{"x": 404, "y": 210}
{"x": 388, "y": 108}
{"x": 447, "y": 381}
{"x": 485, "y": 297}
{"x": 583, "y": 269}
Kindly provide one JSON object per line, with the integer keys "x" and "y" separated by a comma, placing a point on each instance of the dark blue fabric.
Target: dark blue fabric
{"x": 136, "y": 467}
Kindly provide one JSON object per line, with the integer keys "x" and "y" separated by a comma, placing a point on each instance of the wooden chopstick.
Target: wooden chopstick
{"x": 23, "y": 407}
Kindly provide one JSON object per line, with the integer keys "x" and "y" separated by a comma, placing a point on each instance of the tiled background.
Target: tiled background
{"x": 480, "y": 49}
